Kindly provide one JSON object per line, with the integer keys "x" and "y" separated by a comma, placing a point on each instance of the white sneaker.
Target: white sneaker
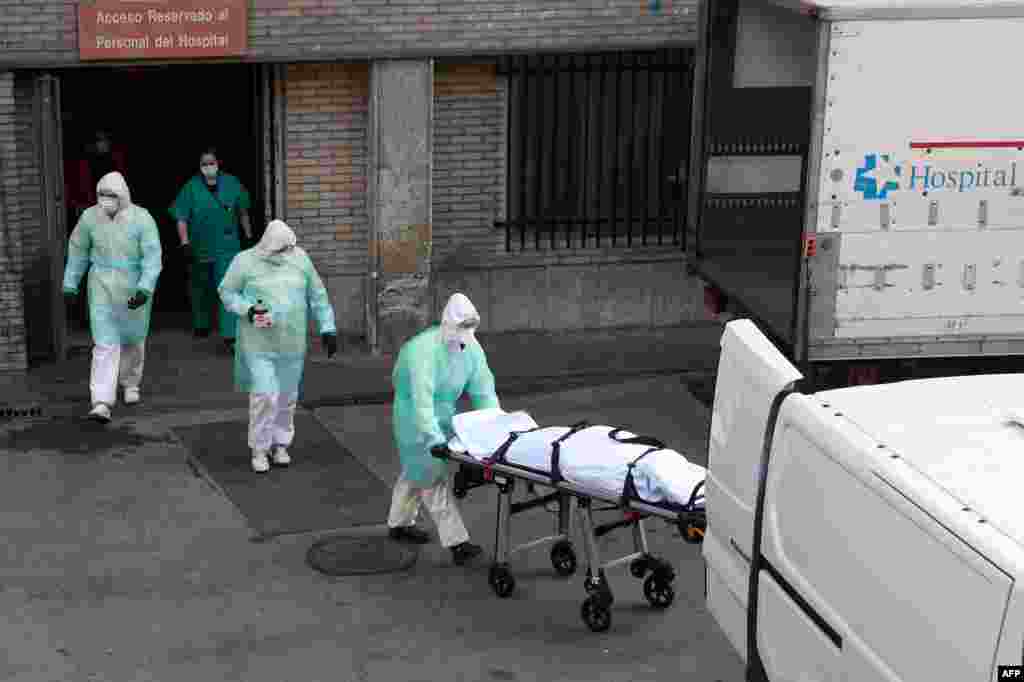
{"x": 280, "y": 456}
{"x": 131, "y": 396}
{"x": 260, "y": 464}
{"x": 100, "y": 413}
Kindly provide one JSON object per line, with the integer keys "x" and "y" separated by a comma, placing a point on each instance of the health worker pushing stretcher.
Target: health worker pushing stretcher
{"x": 119, "y": 243}
{"x": 271, "y": 287}
{"x": 433, "y": 370}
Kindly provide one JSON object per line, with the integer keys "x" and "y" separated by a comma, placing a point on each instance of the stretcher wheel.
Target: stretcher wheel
{"x": 563, "y": 558}
{"x": 596, "y": 613}
{"x": 502, "y": 581}
{"x": 659, "y": 591}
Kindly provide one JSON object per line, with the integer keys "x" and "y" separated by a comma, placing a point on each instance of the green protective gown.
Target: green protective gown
{"x": 213, "y": 230}
{"x": 429, "y": 379}
{"x": 272, "y": 360}
{"x": 123, "y": 256}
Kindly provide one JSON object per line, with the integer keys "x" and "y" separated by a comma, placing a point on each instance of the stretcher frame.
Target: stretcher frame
{"x": 595, "y": 611}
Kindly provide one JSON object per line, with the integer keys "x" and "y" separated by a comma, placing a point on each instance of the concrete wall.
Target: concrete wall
{"x": 36, "y": 32}
{"x": 584, "y": 290}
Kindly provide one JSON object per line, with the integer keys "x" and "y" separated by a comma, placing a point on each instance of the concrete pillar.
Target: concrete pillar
{"x": 401, "y": 123}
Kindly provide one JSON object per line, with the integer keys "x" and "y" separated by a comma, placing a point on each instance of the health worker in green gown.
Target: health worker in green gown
{"x": 209, "y": 210}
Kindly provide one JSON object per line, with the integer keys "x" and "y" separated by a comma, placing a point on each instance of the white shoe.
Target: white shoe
{"x": 100, "y": 413}
{"x": 131, "y": 396}
{"x": 260, "y": 464}
{"x": 280, "y": 456}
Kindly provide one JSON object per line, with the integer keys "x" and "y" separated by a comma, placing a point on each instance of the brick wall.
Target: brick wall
{"x": 16, "y": 209}
{"x": 469, "y": 162}
{"x": 326, "y": 132}
{"x": 45, "y": 31}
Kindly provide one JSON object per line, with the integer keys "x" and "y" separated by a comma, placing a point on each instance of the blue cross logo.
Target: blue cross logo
{"x": 877, "y": 177}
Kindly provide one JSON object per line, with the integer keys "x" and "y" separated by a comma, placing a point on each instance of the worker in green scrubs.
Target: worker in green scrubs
{"x": 209, "y": 210}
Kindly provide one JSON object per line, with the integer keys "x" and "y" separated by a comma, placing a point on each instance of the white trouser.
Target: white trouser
{"x": 440, "y": 504}
{"x": 271, "y": 420}
{"x": 110, "y": 363}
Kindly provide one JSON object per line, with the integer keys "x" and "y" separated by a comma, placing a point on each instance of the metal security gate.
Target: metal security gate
{"x": 598, "y": 148}
{"x": 752, "y": 167}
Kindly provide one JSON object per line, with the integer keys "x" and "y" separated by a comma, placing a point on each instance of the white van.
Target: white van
{"x": 868, "y": 533}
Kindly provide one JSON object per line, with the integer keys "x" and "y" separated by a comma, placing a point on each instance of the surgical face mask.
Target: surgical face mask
{"x": 463, "y": 338}
{"x": 108, "y": 205}
{"x": 209, "y": 171}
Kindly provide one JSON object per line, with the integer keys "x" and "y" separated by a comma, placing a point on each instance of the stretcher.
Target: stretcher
{"x": 576, "y": 466}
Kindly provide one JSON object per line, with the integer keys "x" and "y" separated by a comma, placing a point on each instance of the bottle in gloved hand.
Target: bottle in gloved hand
{"x": 260, "y": 317}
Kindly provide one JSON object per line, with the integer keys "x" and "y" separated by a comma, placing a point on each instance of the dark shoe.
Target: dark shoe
{"x": 201, "y": 333}
{"x": 466, "y": 552}
{"x": 410, "y": 534}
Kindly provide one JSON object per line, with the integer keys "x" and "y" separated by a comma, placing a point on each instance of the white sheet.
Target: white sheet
{"x": 589, "y": 458}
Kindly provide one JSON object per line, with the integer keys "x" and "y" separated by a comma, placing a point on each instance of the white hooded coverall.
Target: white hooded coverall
{"x": 433, "y": 370}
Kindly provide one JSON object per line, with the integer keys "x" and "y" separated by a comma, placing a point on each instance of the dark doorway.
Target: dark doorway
{"x": 160, "y": 118}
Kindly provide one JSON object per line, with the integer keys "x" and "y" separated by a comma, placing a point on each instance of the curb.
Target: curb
{"x": 550, "y": 384}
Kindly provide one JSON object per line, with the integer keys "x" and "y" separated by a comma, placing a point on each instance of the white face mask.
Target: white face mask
{"x": 210, "y": 172}
{"x": 108, "y": 205}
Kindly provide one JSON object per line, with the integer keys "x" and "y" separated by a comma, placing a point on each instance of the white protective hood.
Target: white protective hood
{"x": 114, "y": 182}
{"x": 277, "y": 236}
{"x": 458, "y": 313}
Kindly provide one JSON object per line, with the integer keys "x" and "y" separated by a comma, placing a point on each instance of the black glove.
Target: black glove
{"x": 251, "y": 314}
{"x": 70, "y": 298}
{"x": 331, "y": 344}
{"x": 439, "y": 450}
{"x": 138, "y": 300}
{"x": 186, "y": 254}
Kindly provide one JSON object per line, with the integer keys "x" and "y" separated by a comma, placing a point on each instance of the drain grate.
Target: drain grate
{"x": 340, "y": 555}
{"x": 9, "y": 412}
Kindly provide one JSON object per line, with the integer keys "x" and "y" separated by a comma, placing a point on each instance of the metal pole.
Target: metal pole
{"x": 648, "y": 138}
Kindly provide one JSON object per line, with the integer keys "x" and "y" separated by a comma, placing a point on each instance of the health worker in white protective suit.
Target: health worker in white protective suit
{"x": 271, "y": 287}
{"x": 119, "y": 243}
{"x": 433, "y": 370}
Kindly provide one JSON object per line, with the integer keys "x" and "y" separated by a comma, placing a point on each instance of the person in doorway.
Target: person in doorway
{"x": 209, "y": 210}
{"x": 271, "y": 286}
{"x": 101, "y": 156}
{"x": 433, "y": 370}
{"x": 120, "y": 243}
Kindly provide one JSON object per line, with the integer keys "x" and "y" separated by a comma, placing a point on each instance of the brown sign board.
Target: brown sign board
{"x": 161, "y": 29}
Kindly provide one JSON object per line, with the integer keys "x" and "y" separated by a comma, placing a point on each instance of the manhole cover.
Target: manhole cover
{"x": 359, "y": 556}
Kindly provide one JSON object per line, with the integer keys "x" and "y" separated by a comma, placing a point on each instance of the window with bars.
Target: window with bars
{"x": 598, "y": 148}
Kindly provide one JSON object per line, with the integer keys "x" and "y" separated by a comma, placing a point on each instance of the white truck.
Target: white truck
{"x": 858, "y": 180}
{"x": 865, "y": 534}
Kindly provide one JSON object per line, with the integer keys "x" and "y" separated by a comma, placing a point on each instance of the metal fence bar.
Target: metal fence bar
{"x": 676, "y": 215}
{"x": 586, "y": 155}
{"x": 603, "y": 74}
{"x": 662, "y": 183}
{"x": 631, "y": 163}
{"x": 571, "y": 150}
{"x": 648, "y": 154}
{"x": 524, "y": 157}
{"x": 553, "y": 150}
{"x": 616, "y": 97}
{"x": 541, "y": 209}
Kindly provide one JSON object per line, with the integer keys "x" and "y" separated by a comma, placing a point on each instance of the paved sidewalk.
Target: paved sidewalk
{"x": 182, "y": 373}
{"x": 114, "y": 529}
